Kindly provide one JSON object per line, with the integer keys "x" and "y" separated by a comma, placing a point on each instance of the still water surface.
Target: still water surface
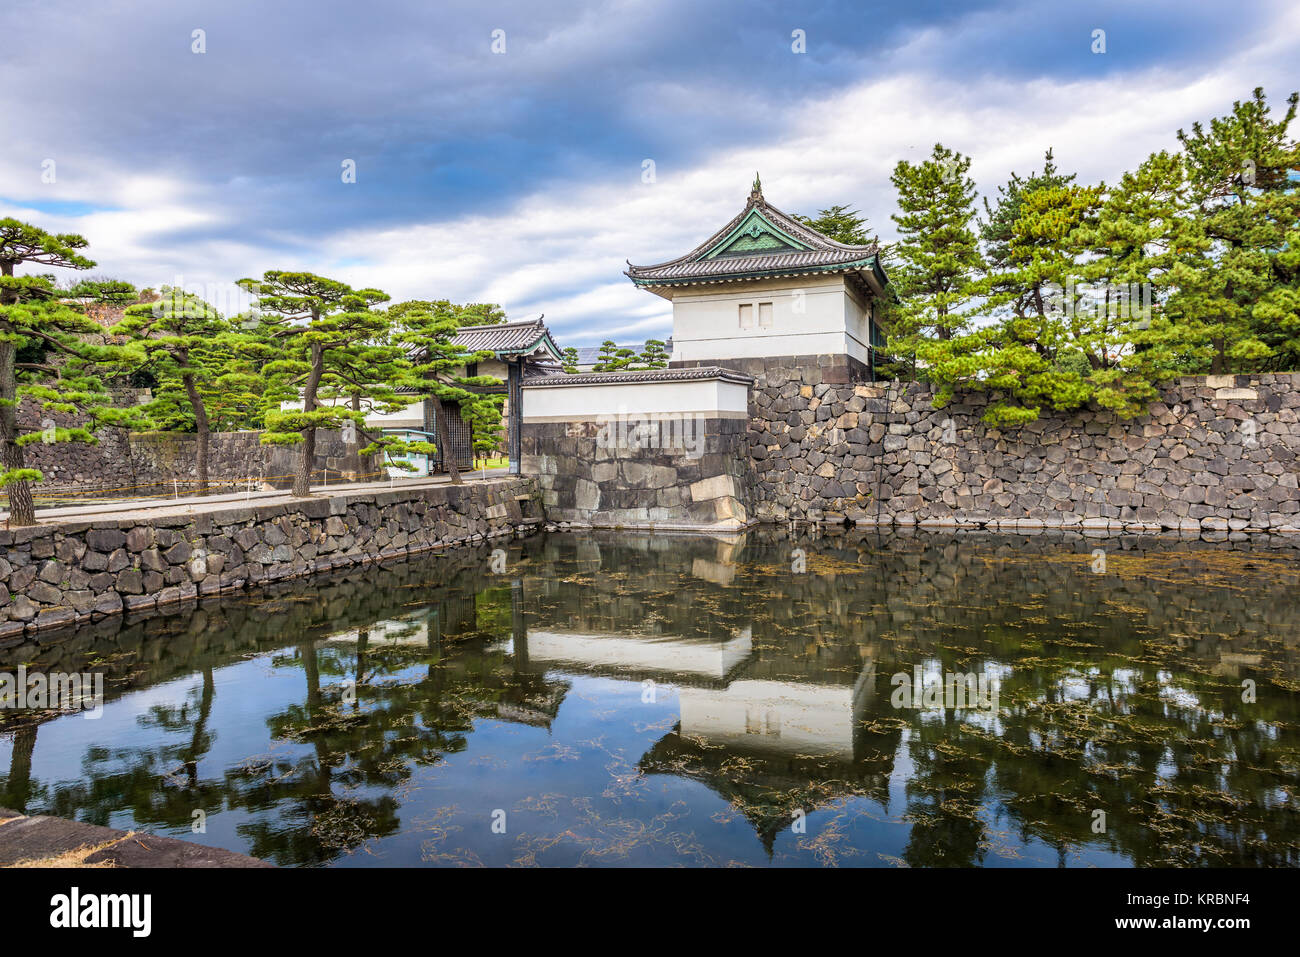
{"x": 624, "y": 699}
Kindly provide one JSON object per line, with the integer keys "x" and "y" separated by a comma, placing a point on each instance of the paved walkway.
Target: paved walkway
{"x": 190, "y": 504}
{"x": 43, "y": 841}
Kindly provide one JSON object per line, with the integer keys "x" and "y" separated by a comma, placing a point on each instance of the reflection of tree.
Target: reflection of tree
{"x": 417, "y": 704}
{"x": 313, "y": 822}
{"x": 943, "y": 795}
{"x": 18, "y": 789}
{"x": 159, "y": 784}
{"x": 1119, "y": 691}
{"x": 1179, "y": 784}
{"x": 767, "y": 789}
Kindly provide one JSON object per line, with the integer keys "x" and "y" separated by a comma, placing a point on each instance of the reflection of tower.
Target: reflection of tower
{"x": 772, "y": 748}
{"x": 635, "y": 657}
{"x": 772, "y": 699}
{"x": 780, "y": 717}
{"x": 768, "y": 745}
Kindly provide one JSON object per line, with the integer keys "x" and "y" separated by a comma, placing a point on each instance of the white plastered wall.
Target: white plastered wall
{"x": 809, "y": 316}
{"x": 710, "y": 397}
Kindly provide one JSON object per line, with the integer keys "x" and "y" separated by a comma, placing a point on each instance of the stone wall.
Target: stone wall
{"x": 60, "y": 574}
{"x": 69, "y": 464}
{"x": 141, "y": 460}
{"x": 687, "y": 471}
{"x": 162, "y": 456}
{"x": 1219, "y": 453}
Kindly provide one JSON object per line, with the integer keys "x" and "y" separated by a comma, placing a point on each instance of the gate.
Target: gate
{"x": 459, "y": 443}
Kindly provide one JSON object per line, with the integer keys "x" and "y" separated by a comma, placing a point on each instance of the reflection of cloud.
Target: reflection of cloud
{"x": 387, "y": 633}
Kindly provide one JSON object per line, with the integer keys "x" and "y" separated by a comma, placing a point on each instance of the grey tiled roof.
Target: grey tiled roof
{"x": 508, "y": 337}
{"x": 644, "y": 375}
{"x": 821, "y": 255}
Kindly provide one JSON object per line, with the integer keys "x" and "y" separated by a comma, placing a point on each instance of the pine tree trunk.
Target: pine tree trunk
{"x": 355, "y": 465}
{"x": 202, "y": 428}
{"x": 22, "y": 511}
{"x": 202, "y": 465}
{"x": 302, "y": 481}
{"x": 18, "y": 790}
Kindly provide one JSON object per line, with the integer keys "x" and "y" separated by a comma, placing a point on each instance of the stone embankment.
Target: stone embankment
{"x": 1216, "y": 453}
{"x": 68, "y": 571}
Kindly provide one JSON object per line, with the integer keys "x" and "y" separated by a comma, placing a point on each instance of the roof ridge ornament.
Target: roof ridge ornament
{"x": 756, "y": 191}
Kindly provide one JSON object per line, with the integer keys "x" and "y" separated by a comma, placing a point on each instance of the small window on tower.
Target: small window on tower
{"x": 765, "y": 315}
{"x": 746, "y": 315}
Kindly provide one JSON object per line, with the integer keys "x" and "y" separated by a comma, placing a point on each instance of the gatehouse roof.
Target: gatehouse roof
{"x": 761, "y": 242}
{"x": 509, "y": 338}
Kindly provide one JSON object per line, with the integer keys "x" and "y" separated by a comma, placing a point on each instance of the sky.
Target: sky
{"x": 522, "y": 153}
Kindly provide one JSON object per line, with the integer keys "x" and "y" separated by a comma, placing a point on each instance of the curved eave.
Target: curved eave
{"x": 785, "y": 224}
{"x": 871, "y": 263}
{"x": 543, "y": 340}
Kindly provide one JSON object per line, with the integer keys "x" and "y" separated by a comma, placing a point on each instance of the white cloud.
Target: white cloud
{"x": 561, "y": 250}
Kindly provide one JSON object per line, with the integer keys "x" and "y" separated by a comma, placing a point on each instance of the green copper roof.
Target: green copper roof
{"x": 760, "y": 242}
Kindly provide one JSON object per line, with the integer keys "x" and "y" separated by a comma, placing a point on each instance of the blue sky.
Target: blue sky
{"x": 516, "y": 177}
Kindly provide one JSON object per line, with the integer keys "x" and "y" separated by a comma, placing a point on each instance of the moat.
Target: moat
{"x": 612, "y": 699}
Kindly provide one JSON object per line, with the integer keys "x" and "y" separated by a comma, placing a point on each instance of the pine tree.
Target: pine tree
{"x": 428, "y": 331}
{"x": 189, "y": 349}
{"x": 613, "y": 357}
{"x": 480, "y": 314}
{"x": 1243, "y": 284}
{"x": 43, "y": 355}
{"x": 654, "y": 355}
{"x": 1035, "y": 352}
{"x": 570, "y": 361}
{"x": 363, "y": 376}
{"x": 1143, "y": 232}
{"x": 934, "y": 263}
{"x": 325, "y": 334}
{"x": 841, "y": 224}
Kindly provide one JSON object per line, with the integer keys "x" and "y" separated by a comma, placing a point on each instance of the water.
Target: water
{"x": 624, "y": 699}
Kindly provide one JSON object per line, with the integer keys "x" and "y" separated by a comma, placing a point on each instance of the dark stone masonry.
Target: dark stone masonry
{"x": 686, "y": 471}
{"x": 64, "y": 573}
{"x": 1218, "y": 453}
{"x": 138, "y": 460}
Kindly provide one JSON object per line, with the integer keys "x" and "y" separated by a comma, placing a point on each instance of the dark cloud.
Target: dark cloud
{"x": 440, "y": 128}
